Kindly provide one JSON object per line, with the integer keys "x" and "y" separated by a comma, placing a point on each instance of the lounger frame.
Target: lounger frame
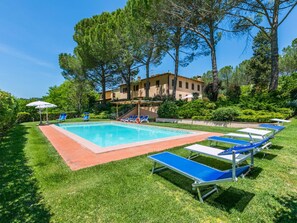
{"x": 197, "y": 182}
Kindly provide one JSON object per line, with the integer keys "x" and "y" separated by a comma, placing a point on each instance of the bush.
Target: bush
{"x": 196, "y": 108}
{"x": 101, "y": 115}
{"x": 8, "y": 111}
{"x": 24, "y": 117}
{"x": 261, "y": 116}
{"x": 225, "y": 114}
{"x": 168, "y": 109}
{"x": 293, "y": 105}
{"x": 248, "y": 112}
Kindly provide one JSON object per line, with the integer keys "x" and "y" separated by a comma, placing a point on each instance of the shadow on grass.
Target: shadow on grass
{"x": 254, "y": 173}
{"x": 226, "y": 200}
{"x": 277, "y": 147}
{"x": 289, "y": 211}
{"x": 232, "y": 198}
{"x": 20, "y": 200}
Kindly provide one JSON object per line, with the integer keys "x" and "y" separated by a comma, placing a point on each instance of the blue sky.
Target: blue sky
{"x": 33, "y": 33}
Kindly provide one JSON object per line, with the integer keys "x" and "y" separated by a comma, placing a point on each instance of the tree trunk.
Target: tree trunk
{"x": 147, "y": 85}
{"x": 128, "y": 83}
{"x": 103, "y": 83}
{"x": 274, "y": 50}
{"x": 176, "y": 61}
{"x": 215, "y": 83}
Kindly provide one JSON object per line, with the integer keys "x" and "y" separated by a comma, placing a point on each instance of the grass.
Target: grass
{"x": 37, "y": 186}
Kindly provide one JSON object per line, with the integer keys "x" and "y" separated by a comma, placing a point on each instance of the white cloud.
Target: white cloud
{"x": 23, "y": 56}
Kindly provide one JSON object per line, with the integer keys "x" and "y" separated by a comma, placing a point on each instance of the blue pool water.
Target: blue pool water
{"x": 112, "y": 134}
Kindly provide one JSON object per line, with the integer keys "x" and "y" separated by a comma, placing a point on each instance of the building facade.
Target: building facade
{"x": 161, "y": 84}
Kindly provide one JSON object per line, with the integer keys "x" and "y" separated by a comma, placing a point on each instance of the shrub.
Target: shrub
{"x": 101, "y": 115}
{"x": 8, "y": 111}
{"x": 293, "y": 105}
{"x": 233, "y": 93}
{"x": 24, "y": 117}
{"x": 248, "y": 112}
{"x": 168, "y": 109}
{"x": 196, "y": 108}
{"x": 260, "y": 116}
{"x": 225, "y": 114}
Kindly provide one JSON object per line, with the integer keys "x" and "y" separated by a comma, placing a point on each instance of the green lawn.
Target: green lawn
{"x": 37, "y": 186}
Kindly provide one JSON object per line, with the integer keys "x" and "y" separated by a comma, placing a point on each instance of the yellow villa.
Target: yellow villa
{"x": 161, "y": 84}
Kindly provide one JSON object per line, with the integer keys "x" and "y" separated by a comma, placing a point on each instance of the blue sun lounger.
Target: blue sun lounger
{"x": 228, "y": 140}
{"x": 201, "y": 174}
{"x": 144, "y": 119}
{"x": 133, "y": 118}
{"x": 62, "y": 117}
{"x": 86, "y": 116}
{"x": 275, "y": 128}
{"x": 243, "y": 152}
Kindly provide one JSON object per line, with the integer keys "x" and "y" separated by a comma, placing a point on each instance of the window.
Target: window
{"x": 135, "y": 88}
{"x": 124, "y": 90}
{"x": 187, "y": 85}
{"x": 180, "y": 84}
{"x": 172, "y": 82}
{"x": 198, "y": 87}
{"x": 193, "y": 87}
{"x": 158, "y": 83}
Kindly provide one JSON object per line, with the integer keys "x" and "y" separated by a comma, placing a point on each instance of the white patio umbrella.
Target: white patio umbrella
{"x": 46, "y": 106}
{"x": 188, "y": 96}
{"x": 38, "y": 103}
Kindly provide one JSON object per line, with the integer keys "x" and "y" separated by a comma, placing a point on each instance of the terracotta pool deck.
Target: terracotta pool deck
{"x": 78, "y": 157}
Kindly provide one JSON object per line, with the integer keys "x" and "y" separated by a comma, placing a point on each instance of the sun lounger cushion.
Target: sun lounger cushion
{"x": 247, "y": 136}
{"x": 194, "y": 170}
{"x": 255, "y": 131}
{"x": 228, "y": 140}
{"x": 277, "y": 128}
{"x": 245, "y": 148}
{"x": 214, "y": 152}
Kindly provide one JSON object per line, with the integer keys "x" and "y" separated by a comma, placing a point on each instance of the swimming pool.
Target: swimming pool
{"x": 106, "y": 136}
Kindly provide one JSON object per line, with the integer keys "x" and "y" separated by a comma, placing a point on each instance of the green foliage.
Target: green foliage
{"x": 168, "y": 109}
{"x": 225, "y": 75}
{"x": 210, "y": 94}
{"x": 241, "y": 75}
{"x": 24, "y": 117}
{"x": 233, "y": 93}
{"x": 101, "y": 115}
{"x": 70, "y": 96}
{"x": 249, "y": 115}
{"x": 196, "y": 108}
{"x": 8, "y": 111}
{"x": 260, "y": 64}
{"x": 225, "y": 114}
{"x": 288, "y": 61}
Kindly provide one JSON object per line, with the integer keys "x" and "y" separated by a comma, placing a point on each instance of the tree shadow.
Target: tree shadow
{"x": 289, "y": 211}
{"x": 20, "y": 200}
{"x": 232, "y": 198}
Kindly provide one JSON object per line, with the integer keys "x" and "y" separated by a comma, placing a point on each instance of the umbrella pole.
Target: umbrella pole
{"x": 40, "y": 123}
{"x": 46, "y": 116}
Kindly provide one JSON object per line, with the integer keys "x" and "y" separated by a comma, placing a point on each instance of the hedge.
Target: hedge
{"x": 8, "y": 111}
